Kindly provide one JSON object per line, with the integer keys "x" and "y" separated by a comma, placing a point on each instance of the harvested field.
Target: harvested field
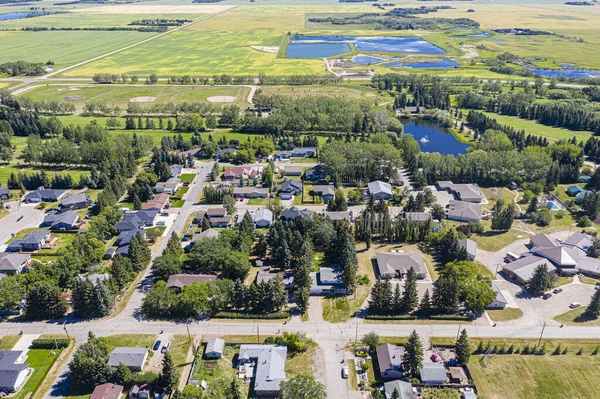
{"x": 221, "y": 99}
{"x": 146, "y": 99}
{"x": 154, "y": 9}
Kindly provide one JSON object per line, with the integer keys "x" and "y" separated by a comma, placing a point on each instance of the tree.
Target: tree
{"x": 234, "y": 389}
{"x": 11, "y": 293}
{"x": 438, "y": 212}
{"x": 372, "y": 340}
{"x": 139, "y": 253}
{"x": 410, "y": 297}
{"x": 169, "y": 376}
{"x": 45, "y": 301}
{"x": 503, "y": 217}
{"x": 395, "y": 394}
{"x": 302, "y": 386}
{"x": 425, "y": 304}
{"x": 123, "y": 374}
{"x": 413, "y": 355}
{"x": 593, "y": 309}
{"x": 88, "y": 367}
{"x": 445, "y": 293}
{"x": 541, "y": 281}
{"x": 302, "y": 280}
{"x": 463, "y": 348}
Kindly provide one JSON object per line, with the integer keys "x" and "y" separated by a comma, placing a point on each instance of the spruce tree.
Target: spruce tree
{"x": 593, "y": 309}
{"x": 445, "y": 293}
{"x": 395, "y": 394}
{"x": 413, "y": 355}
{"x": 302, "y": 280}
{"x": 397, "y": 307}
{"x": 284, "y": 256}
{"x": 541, "y": 280}
{"x": 410, "y": 299}
{"x": 169, "y": 376}
{"x": 463, "y": 348}
{"x": 205, "y": 223}
{"x": 425, "y": 304}
{"x": 247, "y": 225}
{"x": 137, "y": 203}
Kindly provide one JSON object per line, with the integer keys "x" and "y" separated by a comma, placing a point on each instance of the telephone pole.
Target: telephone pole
{"x": 542, "y": 334}
{"x": 187, "y": 325}
{"x": 66, "y": 332}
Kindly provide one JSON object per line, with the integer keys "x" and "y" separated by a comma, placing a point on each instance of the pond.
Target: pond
{"x": 444, "y": 63}
{"x": 386, "y": 44}
{"x": 433, "y": 138}
{"x": 21, "y": 15}
{"x": 366, "y": 60}
{"x": 567, "y": 73}
{"x": 315, "y": 50}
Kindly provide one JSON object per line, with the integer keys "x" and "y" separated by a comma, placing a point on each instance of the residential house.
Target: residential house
{"x": 241, "y": 172}
{"x": 75, "y": 201}
{"x": 462, "y": 211}
{"x": 13, "y": 372}
{"x": 44, "y": 195}
{"x": 305, "y": 152}
{"x": 467, "y": 193}
{"x": 267, "y": 365}
{"x": 61, "y": 221}
{"x": 327, "y": 192}
{"x": 389, "y": 359}
{"x": 125, "y": 236}
{"x": 250, "y": 192}
{"x": 170, "y": 186}
{"x": 133, "y": 358}
{"x": 97, "y": 278}
{"x": 581, "y": 196}
{"x": 433, "y": 374}
{"x": 404, "y": 389}
{"x": 380, "y": 190}
{"x": 289, "y": 188}
{"x": 265, "y": 275}
{"x": 224, "y": 221}
{"x": 159, "y": 203}
{"x": 316, "y": 173}
{"x": 183, "y": 280}
{"x": 458, "y": 376}
{"x": 294, "y": 212}
{"x": 500, "y": 301}
{"x": 137, "y": 219}
{"x": 444, "y": 185}
{"x": 470, "y": 246}
{"x": 206, "y": 234}
{"x": 176, "y": 170}
{"x": 283, "y": 155}
{"x": 122, "y": 251}
{"x": 220, "y": 153}
{"x": 33, "y": 241}
{"x": 107, "y": 391}
{"x": 11, "y": 263}
{"x": 584, "y": 179}
{"x": 263, "y": 217}
{"x": 4, "y": 194}
{"x": 417, "y": 217}
{"x": 214, "y": 348}
{"x": 340, "y": 215}
{"x": 198, "y": 217}
{"x": 293, "y": 171}
{"x": 572, "y": 191}
{"x": 109, "y": 253}
{"x": 327, "y": 281}
{"x": 216, "y": 213}
{"x": 392, "y": 264}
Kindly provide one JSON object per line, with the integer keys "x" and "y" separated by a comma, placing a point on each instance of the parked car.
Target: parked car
{"x": 507, "y": 260}
{"x": 185, "y": 239}
{"x": 20, "y": 218}
{"x": 547, "y": 296}
{"x": 597, "y": 286}
{"x": 161, "y": 223}
{"x": 156, "y": 345}
{"x": 435, "y": 358}
{"x": 345, "y": 372}
{"x": 165, "y": 347}
{"x": 574, "y": 305}
{"x": 7, "y": 206}
{"x": 558, "y": 290}
{"x": 361, "y": 352}
{"x": 186, "y": 184}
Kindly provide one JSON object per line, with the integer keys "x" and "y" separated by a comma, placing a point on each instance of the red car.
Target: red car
{"x": 186, "y": 184}
{"x": 435, "y": 358}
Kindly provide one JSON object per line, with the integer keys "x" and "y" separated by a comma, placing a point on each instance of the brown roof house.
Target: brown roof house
{"x": 107, "y": 391}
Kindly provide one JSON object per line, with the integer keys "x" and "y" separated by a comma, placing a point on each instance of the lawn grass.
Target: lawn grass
{"x": 589, "y": 280}
{"x": 353, "y": 380}
{"x": 493, "y": 241}
{"x": 301, "y": 363}
{"x": 8, "y": 341}
{"x": 505, "y": 314}
{"x": 131, "y": 340}
{"x": 177, "y": 204}
{"x": 180, "y": 345}
{"x": 587, "y": 345}
{"x": 577, "y": 317}
{"x": 187, "y": 177}
{"x": 257, "y": 201}
{"x": 562, "y": 280}
{"x": 159, "y": 230}
{"x": 41, "y": 360}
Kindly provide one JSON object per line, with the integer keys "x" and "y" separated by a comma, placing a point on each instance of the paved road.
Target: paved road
{"x": 10, "y": 224}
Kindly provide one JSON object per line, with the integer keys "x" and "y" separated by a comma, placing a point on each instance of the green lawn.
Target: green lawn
{"x": 131, "y": 340}
{"x": 179, "y": 348}
{"x": 336, "y": 310}
{"x": 576, "y": 317}
{"x": 187, "y": 177}
{"x": 505, "y": 314}
{"x": 158, "y": 230}
{"x": 493, "y": 241}
{"x": 8, "y": 341}
{"x": 40, "y": 360}
{"x": 177, "y": 203}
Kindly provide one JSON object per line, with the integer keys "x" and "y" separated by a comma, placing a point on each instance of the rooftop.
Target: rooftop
{"x": 270, "y": 365}
{"x": 183, "y": 280}
{"x": 130, "y": 357}
{"x": 379, "y": 186}
{"x": 400, "y": 262}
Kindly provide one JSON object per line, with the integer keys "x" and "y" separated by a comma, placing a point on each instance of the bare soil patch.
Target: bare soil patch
{"x": 221, "y": 99}
{"x": 266, "y": 49}
{"x": 142, "y": 99}
{"x": 73, "y": 98}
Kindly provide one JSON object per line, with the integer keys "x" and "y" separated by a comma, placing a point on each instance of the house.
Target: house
{"x": 133, "y": 358}
{"x": 124, "y": 237}
{"x": 581, "y": 196}
{"x": 404, "y": 389}
{"x": 522, "y": 269}
{"x": 224, "y": 221}
{"x": 44, "y": 195}
{"x": 467, "y": 193}
{"x": 458, "y": 375}
{"x": 341, "y": 215}
{"x": 74, "y": 202}
{"x": 293, "y": 171}
{"x": 250, "y": 192}
{"x": 199, "y": 217}
{"x": 138, "y": 219}
{"x": 107, "y": 391}
{"x": 122, "y": 251}
{"x": 294, "y": 212}
{"x": 584, "y": 179}
{"x": 470, "y": 246}
{"x": 328, "y": 281}
{"x": 159, "y": 202}
{"x": 206, "y": 234}
{"x": 220, "y": 153}
{"x": 183, "y": 280}
{"x": 326, "y": 192}
{"x": 389, "y": 359}
{"x": 61, "y": 221}
{"x": 240, "y": 172}
{"x": 391, "y": 264}
{"x": 417, "y": 217}
{"x": 380, "y": 190}
{"x": 170, "y": 186}
{"x": 265, "y": 275}
{"x": 289, "y": 188}
{"x": 433, "y": 374}
{"x": 4, "y": 194}
{"x": 109, "y": 253}
{"x": 543, "y": 240}
{"x": 13, "y": 372}
{"x": 572, "y": 191}
{"x": 513, "y": 186}
{"x": 216, "y": 213}
{"x": 266, "y": 363}
{"x": 305, "y": 152}
{"x": 11, "y": 263}
{"x": 462, "y": 211}
{"x": 283, "y": 155}
{"x": 263, "y": 217}
{"x": 316, "y": 173}
{"x": 214, "y": 348}
{"x": 33, "y": 241}
{"x": 579, "y": 240}
{"x": 500, "y": 301}
{"x": 444, "y": 185}
{"x": 176, "y": 170}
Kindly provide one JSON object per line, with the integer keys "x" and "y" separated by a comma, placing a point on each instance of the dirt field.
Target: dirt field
{"x": 154, "y": 9}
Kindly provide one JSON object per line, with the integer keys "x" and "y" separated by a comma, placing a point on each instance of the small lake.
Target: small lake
{"x": 434, "y": 64}
{"x": 315, "y": 50}
{"x": 567, "y": 73}
{"x": 366, "y": 60}
{"x": 21, "y": 15}
{"x": 440, "y": 140}
{"x": 386, "y": 44}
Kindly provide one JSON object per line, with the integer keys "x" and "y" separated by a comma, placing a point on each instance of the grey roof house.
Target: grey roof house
{"x": 169, "y": 186}
{"x": 462, "y": 211}
{"x": 523, "y": 268}
{"x": 327, "y": 282}
{"x": 61, "y": 221}
{"x": 4, "y": 194}
{"x": 75, "y": 201}
{"x": 251, "y": 192}
{"x": 327, "y": 192}
{"x": 268, "y": 367}
{"x": 470, "y": 246}
{"x": 404, "y": 389}
{"x": 13, "y": 372}
{"x": 11, "y": 263}
{"x": 44, "y": 195}
{"x": 500, "y": 301}
{"x": 183, "y": 280}
{"x": 214, "y": 348}
{"x": 390, "y": 264}
{"x": 433, "y": 374}
{"x": 304, "y": 152}
{"x": 133, "y": 358}
{"x": 289, "y": 188}
{"x": 263, "y": 217}
{"x": 206, "y": 234}
{"x": 294, "y": 171}
{"x": 33, "y": 241}
{"x": 380, "y": 190}
{"x": 389, "y": 359}
{"x": 316, "y": 173}
{"x": 176, "y": 170}
{"x": 294, "y": 212}
{"x": 137, "y": 220}
{"x": 124, "y": 237}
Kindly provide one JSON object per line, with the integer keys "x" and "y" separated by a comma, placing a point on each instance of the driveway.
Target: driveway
{"x": 31, "y": 218}
{"x": 25, "y": 342}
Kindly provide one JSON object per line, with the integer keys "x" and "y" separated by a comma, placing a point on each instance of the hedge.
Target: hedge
{"x": 267, "y": 316}
{"x": 47, "y": 343}
{"x": 450, "y": 317}
{"x": 398, "y": 317}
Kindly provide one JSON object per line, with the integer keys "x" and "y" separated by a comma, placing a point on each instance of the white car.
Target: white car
{"x": 574, "y": 305}
{"x": 161, "y": 223}
{"x": 345, "y": 372}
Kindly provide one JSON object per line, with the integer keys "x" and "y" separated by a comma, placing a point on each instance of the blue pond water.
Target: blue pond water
{"x": 440, "y": 140}
{"x": 384, "y": 44}
{"x": 568, "y": 73}
{"x": 435, "y": 64}
{"x": 366, "y": 60}
{"x": 315, "y": 50}
{"x": 21, "y": 15}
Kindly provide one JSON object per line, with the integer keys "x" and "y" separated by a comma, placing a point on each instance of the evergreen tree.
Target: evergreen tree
{"x": 395, "y": 394}
{"x": 123, "y": 374}
{"x": 137, "y": 203}
{"x": 445, "y": 293}
{"x": 45, "y": 301}
{"x": 173, "y": 246}
{"x": 139, "y": 253}
{"x": 205, "y": 223}
{"x": 463, "y": 348}
{"x": 235, "y": 389}
{"x": 425, "y": 304}
{"x": 410, "y": 299}
{"x": 413, "y": 355}
{"x": 593, "y": 309}
{"x": 533, "y": 205}
{"x": 541, "y": 281}
{"x": 397, "y": 305}
{"x": 247, "y": 225}
{"x": 302, "y": 280}
{"x": 169, "y": 376}
{"x": 284, "y": 256}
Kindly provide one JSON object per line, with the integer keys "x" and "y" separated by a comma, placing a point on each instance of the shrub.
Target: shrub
{"x": 450, "y": 317}
{"x": 397, "y": 317}
{"x": 46, "y": 343}
{"x": 267, "y": 316}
